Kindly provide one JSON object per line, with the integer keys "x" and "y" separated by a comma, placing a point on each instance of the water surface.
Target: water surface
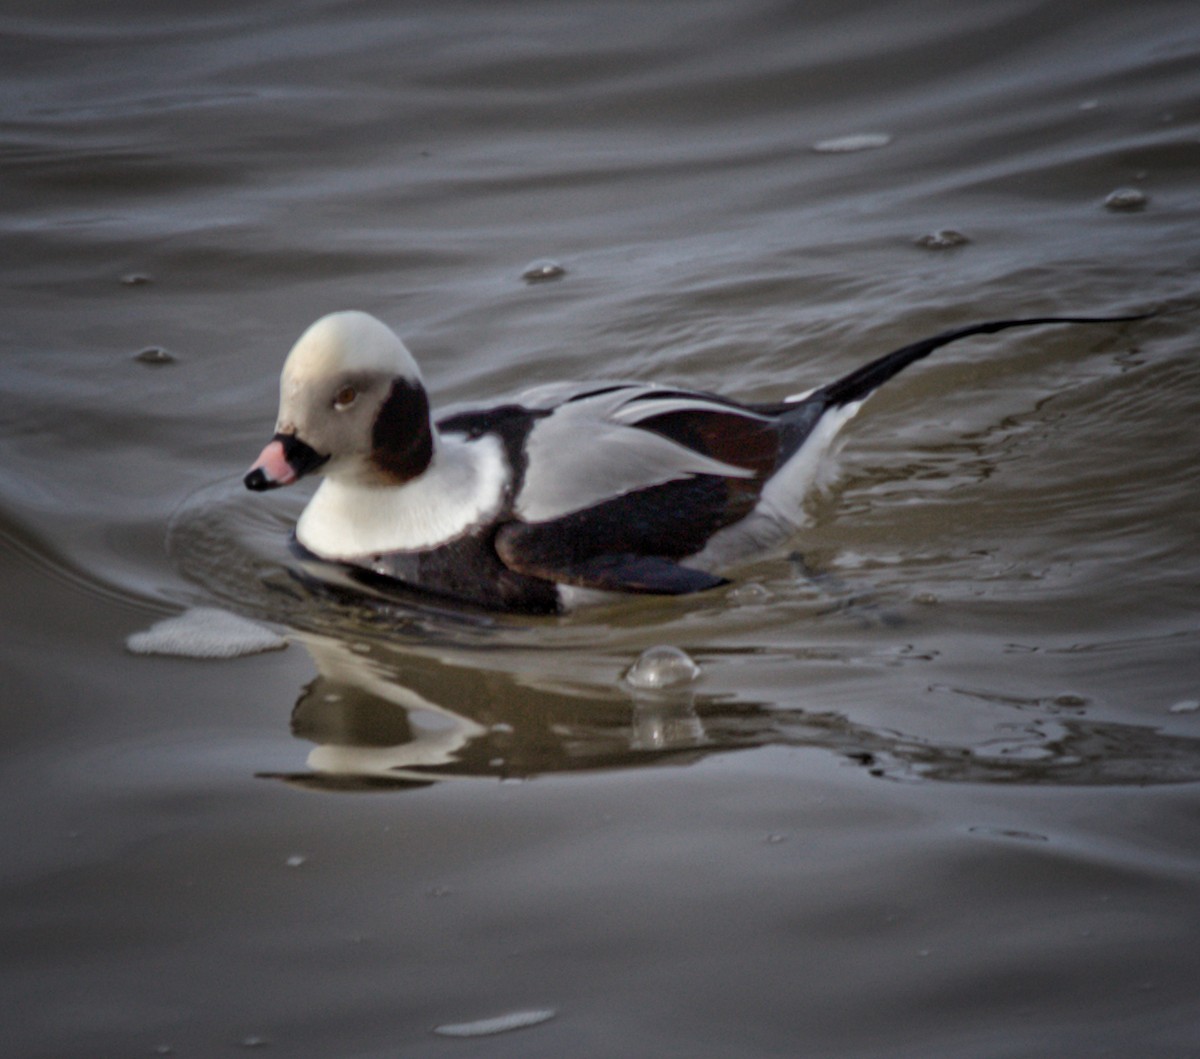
{"x": 935, "y": 792}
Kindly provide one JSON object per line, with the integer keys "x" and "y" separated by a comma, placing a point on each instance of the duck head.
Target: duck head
{"x": 351, "y": 405}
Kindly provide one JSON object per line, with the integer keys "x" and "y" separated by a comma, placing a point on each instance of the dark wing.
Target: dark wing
{"x": 682, "y": 467}
{"x": 630, "y": 543}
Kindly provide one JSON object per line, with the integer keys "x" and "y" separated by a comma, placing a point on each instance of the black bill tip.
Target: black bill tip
{"x": 258, "y": 481}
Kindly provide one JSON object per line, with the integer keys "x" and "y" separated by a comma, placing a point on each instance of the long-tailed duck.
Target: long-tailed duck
{"x": 622, "y": 486}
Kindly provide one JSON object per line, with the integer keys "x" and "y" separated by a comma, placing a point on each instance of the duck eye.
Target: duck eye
{"x": 344, "y": 397}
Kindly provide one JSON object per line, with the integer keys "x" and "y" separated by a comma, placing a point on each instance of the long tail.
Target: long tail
{"x": 856, "y": 385}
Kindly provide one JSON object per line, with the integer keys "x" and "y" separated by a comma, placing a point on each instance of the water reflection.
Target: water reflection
{"x": 383, "y": 716}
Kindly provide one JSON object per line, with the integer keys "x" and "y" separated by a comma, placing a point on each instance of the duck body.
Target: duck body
{"x": 564, "y": 490}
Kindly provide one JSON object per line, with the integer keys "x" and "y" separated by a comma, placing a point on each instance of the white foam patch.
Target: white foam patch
{"x": 517, "y": 1020}
{"x": 205, "y": 632}
{"x": 867, "y": 141}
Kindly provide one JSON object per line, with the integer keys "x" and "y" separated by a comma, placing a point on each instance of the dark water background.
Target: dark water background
{"x": 937, "y": 790}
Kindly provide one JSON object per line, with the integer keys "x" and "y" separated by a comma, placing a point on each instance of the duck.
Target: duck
{"x": 562, "y": 494}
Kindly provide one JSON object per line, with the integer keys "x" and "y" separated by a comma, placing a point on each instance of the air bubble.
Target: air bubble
{"x": 943, "y": 239}
{"x": 750, "y": 593}
{"x": 154, "y": 355}
{"x": 1008, "y": 832}
{"x": 1126, "y": 200}
{"x": 662, "y": 667}
{"x": 541, "y": 270}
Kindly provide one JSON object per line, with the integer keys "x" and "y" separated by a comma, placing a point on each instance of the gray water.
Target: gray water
{"x": 936, "y": 792}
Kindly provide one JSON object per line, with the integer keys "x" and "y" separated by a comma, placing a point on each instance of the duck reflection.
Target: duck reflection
{"x": 383, "y": 716}
{"x": 386, "y": 716}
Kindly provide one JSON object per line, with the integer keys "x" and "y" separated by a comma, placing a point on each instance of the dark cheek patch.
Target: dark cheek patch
{"x": 402, "y": 439}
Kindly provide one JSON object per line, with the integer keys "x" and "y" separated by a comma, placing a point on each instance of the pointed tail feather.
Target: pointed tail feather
{"x": 858, "y": 384}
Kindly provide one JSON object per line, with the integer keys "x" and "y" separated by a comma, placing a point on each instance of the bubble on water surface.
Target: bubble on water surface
{"x": 541, "y": 270}
{"x": 864, "y": 141}
{"x": 1009, "y": 832}
{"x": 205, "y": 632}
{"x": 662, "y": 667}
{"x": 154, "y": 355}
{"x": 943, "y": 239}
{"x": 1186, "y": 706}
{"x": 136, "y": 279}
{"x": 516, "y": 1020}
{"x": 1126, "y": 200}
{"x": 749, "y": 593}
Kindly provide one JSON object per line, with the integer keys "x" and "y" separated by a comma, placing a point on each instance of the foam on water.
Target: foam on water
{"x": 516, "y": 1020}
{"x": 867, "y": 141}
{"x": 205, "y": 632}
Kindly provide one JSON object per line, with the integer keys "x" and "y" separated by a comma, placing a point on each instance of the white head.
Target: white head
{"x": 351, "y": 404}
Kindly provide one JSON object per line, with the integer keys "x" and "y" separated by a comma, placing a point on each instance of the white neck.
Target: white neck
{"x": 464, "y": 486}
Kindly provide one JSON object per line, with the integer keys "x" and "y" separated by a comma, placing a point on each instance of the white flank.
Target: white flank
{"x": 780, "y": 509}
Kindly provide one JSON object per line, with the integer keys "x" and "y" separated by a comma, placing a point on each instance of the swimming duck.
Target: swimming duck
{"x": 566, "y": 489}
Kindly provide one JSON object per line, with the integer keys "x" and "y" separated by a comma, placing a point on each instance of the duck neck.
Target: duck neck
{"x": 352, "y": 516}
